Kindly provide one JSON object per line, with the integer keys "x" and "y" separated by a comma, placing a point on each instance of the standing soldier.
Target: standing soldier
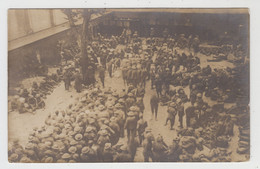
{"x": 158, "y": 86}
{"x": 110, "y": 68}
{"x": 159, "y": 149}
{"x": 152, "y": 76}
{"x": 78, "y": 82}
{"x": 180, "y": 109}
{"x": 189, "y": 111}
{"x": 102, "y": 75}
{"x": 147, "y": 146}
{"x": 171, "y": 114}
{"x": 130, "y": 125}
{"x": 154, "y": 101}
{"x": 174, "y": 150}
{"x": 67, "y": 79}
{"x": 143, "y": 77}
{"x": 141, "y": 125}
{"x": 124, "y": 74}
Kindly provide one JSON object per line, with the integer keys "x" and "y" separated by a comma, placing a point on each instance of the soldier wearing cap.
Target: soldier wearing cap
{"x": 130, "y": 101}
{"x": 174, "y": 150}
{"x": 67, "y": 79}
{"x": 101, "y": 74}
{"x": 180, "y": 110}
{"x": 189, "y": 111}
{"x": 110, "y": 68}
{"x": 113, "y": 124}
{"x": 13, "y": 158}
{"x": 123, "y": 155}
{"x": 121, "y": 121}
{"x": 158, "y": 85}
{"x": 154, "y": 102}
{"x": 108, "y": 153}
{"x": 159, "y": 149}
{"x": 172, "y": 111}
{"x": 84, "y": 156}
{"x": 78, "y": 82}
{"x": 124, "y": 74}
{"x": 147, "y": 145}
{"x": 141, "y": 126}
{"x": 193, "y": 94}
{"x": 130, "y": 125}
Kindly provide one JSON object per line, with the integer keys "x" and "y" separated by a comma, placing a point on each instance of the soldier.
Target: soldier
{"x": 102, "y": 75}
{"x": 167, "y": 80}
{"x": 110, "y": 68}
{"x": 132, "y": 147}
{"x": 189, "y": 111}
{"x": 141, "y": 126}
{"x": 130, "y": 125}
{"x": 67, "y": 79}
{"x": 193, "y": 94}
{"x": 78, "y": 81}
{"x": 159, "y": 149}
{"x": 180, "y": 110}
{"x": 171, "y": 115}
{"x": 108, "y": 153}
{"x": 130, "y": 101}
{"x": 152, "y": 76}
{"x": 123, "y": 155}
{"x": 154, "y": 102}
{"x": 121, "y": 120}
{"x": 140, "y": 104}
{"x": 143, "y": 77}
{"x": 147, "y": 146}
{"x": 174, "y": 150}
{"x": 158, "y": 86}
{"x": 124, "y": 75}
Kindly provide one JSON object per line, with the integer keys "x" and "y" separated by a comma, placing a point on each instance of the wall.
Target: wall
{"x": 30, "y": 21}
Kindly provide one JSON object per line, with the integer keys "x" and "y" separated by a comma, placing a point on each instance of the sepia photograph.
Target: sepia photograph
{"x": 103, "y": 85}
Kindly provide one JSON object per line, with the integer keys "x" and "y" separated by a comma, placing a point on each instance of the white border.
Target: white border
{"x": 254, "y": 62}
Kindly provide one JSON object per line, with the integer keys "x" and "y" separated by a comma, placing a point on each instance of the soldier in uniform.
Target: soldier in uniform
{"x": 171, "y": 115}
{"x": 102, "y": 75}
{"x": 158, "y": 86}
{"x": 108, "y": 153}
{"x": 189, "y": 111}
{"x": 130, "y": 125}
{"x": 180, "y": 110}
{"x": 110, "y": 68}
{"x": 124, "y": 75}
{"x": 123, "y": 155}
{"x": 174, "y": 150}
{"x": 78, "y": 82}
{"x": 147, "y": 146}
{"x": 141, "y": 126}
{"x": 67, "y": 79}
{"x": 159, "y": 149}
{"x": 154, "y": 102}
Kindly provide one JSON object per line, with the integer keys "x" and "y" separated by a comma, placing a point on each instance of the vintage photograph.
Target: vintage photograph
{"x": 99, "y": 85}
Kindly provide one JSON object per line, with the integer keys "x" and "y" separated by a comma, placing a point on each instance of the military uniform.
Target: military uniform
{"x": 154, "y": 102}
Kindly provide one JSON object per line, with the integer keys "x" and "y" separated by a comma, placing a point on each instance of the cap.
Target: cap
{"x": 78, "y": 137}
{"x": 65, "y": 156}
{"x": 85, "y": 150}
{"x": 48, "y": 160}
{"x": 131, "y": 114}
{"x": 72, "y": 149}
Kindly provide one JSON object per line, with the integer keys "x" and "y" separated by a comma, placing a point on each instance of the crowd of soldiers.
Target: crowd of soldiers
{"x": 32, "y": 98}
{"x": 107, "y": 125}
{"x": 89, "y": 130}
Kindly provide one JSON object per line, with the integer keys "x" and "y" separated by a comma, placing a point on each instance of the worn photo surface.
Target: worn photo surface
{"x": 128, "y": 85}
